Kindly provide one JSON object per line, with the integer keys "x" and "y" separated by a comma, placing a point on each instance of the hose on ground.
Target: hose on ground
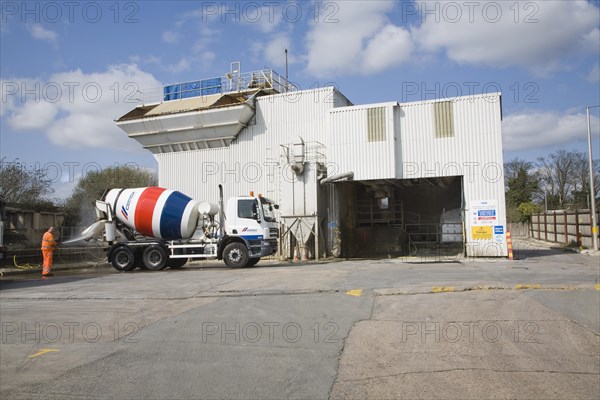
{"x": 24, "y": 266}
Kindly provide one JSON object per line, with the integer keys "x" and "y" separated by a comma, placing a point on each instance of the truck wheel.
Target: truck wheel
{"x": 252, "y": 262}
{"x": 235, "y": 254}
{"x": 154, "y": 257}
{"x": 177, "y": 263}
{"x": 123, "y": 259}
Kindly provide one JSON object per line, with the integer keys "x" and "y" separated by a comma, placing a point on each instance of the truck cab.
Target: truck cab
{"x": 250, "y": 222}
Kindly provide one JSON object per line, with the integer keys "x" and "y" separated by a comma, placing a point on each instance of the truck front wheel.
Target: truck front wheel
{"x": 252, "y": 262}
{"x": 123, "y": 259}
{"x": 154, "y": 257}
{"x": 235, "y": 255}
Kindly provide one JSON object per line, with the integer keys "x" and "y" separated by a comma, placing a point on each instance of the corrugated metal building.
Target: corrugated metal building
{"x": 415, "y": 174}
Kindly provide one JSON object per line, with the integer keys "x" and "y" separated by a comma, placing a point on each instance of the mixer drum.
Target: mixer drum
{"x": 155, "y": 212}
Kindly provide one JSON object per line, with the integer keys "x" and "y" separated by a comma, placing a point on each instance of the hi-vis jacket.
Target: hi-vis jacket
{"x": 48, "y": 242}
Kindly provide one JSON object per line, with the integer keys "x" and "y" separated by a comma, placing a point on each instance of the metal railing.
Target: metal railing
{"x": 369, "y": 214}
{"x": 28, "y": 258}
{"x": 423, "y": 232}
{"x": 266, "y": 79}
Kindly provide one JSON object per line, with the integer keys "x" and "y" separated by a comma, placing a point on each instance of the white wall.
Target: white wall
{"x": 254, "y": 160}
{"x": 349, "y": 149}
{"x": 475, "y": 152}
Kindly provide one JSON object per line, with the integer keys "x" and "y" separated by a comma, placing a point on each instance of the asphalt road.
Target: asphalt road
{"x": 394, "y": 328}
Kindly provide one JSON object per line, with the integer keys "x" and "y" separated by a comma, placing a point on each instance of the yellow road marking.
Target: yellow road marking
{"x": 439, "y": 289}
{"x": 43, "y": 351}
{"x": 354, "y": 292}
{"x": 597, "y": 286}
{"x": 528, "y": 286}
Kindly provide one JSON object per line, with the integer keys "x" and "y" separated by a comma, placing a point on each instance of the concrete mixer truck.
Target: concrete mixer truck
{"x": 155, "y": 228}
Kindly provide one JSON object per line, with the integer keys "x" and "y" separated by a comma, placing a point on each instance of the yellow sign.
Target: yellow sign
{"x": 481, "y": 232}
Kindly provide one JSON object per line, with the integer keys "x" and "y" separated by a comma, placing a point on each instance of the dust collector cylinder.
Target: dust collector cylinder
{"x": 155, "y": 211}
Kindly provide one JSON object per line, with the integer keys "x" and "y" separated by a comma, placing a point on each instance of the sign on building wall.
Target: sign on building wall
{"x": 481, "y": 232}
{"x": 484, "y": 218}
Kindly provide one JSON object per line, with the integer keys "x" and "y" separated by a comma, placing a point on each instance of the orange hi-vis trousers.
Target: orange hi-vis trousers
{"x": 47, "y": 265}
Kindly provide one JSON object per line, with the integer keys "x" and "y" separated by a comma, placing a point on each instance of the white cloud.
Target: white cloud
{"x": 37, "y": 31}
{"x": 170, "y": 37}
{"x": 496, "y": 37}
{"x": 207, "y": 37}
{"x": 390, "y": 47}
{"x": 82, "y": 114}
{"x": 207, "y": 57}
{"x": 182, "y": 65}
{"x": 594, "y": 75}
{"x": 356, "y": 43}
{"x": 8, "y": 94}
{"x": 532, "y": 130}
{"x": 150, "y": 59}
{"x": 266, "y": 18}
{"x": 34, "y": 114}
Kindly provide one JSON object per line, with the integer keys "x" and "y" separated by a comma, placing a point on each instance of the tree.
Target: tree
{"x": 24, "y": 186}
{"x": 565, "y": 179}
{"x": 522, "y": 183}
{"x": 527, "y": 209}
{"x": 79, "y": 208}
{"x": 581, "y": 195}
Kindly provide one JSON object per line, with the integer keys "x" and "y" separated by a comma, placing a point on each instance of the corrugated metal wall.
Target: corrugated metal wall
{"x": 474, "y": 152}
{"x": 253, "y": 160}
{"x": 352, "y": 148}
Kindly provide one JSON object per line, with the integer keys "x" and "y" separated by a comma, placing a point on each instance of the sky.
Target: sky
{"x": 69, "y": 69}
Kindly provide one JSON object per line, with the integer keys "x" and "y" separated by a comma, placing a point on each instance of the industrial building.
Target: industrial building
{"x": 351, "y": 180}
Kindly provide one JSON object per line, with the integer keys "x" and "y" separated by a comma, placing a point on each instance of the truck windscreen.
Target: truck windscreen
{"x": 268, "y": 210}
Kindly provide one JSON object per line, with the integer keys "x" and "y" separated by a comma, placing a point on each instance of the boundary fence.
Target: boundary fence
{"x": 562, "y": 226}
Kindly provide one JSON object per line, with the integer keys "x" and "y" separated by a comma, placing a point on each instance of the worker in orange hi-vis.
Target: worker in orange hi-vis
{"x": 48, "y": 246}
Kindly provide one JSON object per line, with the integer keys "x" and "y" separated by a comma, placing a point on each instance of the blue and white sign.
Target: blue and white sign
{"x": 484, "y": 213}
{"x": 499, "y": 233}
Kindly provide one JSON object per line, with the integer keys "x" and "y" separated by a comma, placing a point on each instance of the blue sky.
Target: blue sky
{"x": 68, "y": 69}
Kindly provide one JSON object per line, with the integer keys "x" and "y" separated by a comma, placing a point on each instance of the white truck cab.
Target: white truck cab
{"x": 251, "y": 221}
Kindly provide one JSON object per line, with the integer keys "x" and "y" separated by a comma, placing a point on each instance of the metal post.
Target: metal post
{"x": 566, "y": 227}
{"x": 576, "y": 223}
{"x": 286, "y": 71}
{"x": 592, "y": 191}
{"x": 546, "y": 225}
{"x": 317, "y": 238}
{"x": 555, "y": 230}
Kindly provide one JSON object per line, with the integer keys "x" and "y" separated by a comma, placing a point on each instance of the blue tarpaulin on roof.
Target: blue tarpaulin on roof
{"x": 211, "y": 86}
{"x": 171, "y": 92}
{"x": 192, "y": 89}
